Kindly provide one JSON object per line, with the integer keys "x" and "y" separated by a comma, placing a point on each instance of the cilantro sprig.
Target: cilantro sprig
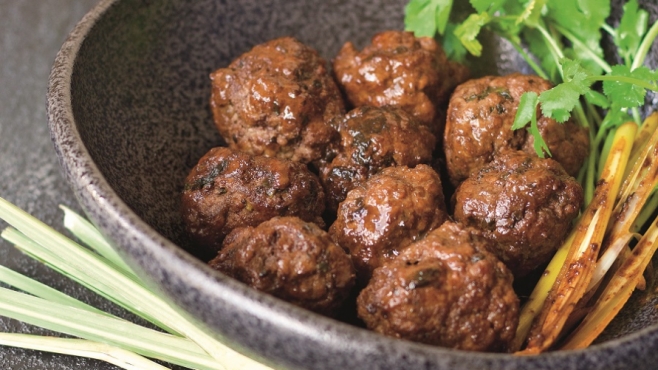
{"x": 561, "y": 41}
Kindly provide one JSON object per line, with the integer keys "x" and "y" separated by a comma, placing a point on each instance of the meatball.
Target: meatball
{"x": 290, "y": 259}
{"x": 371, "y": 139}
{"x": 229, "y": 189}
{"x": 479, "y": 126}
{"x": 447, "y": 290}
{"x": 523, "y": 204}
{"x": 401, "y": 70}
{"x": 392, "y": 209}
{"x": 275, "y": 99}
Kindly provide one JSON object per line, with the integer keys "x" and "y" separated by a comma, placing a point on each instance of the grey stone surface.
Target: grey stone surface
{"x": 31, "y": 33}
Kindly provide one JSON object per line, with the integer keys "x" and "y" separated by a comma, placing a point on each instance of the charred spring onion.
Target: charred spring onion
{"x": 597, "y": 267}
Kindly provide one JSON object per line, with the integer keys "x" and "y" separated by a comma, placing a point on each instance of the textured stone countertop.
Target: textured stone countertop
{"x": 31, "y": 33}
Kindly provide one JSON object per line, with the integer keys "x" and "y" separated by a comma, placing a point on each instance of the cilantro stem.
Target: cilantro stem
{"x": 636, "y": 115}
{"x": 555, "y": 49}
{"x": 591, "y": 172}
{"x": 607, "y": 28}
{"x": 625, "y": 79}
{"x": 646, "y": 44}
{"x": 531, "y": 62}
{"x": 602, "y": 63}
{"x": 594, "y": 114}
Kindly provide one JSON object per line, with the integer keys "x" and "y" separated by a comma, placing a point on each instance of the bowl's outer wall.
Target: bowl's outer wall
{"x": 139, "y": 94}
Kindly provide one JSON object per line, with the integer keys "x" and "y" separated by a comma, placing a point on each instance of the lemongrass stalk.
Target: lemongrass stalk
{"x": 538, "y": 296}
{"x": 575, "y": 274}
{"x": 647, "y": 129}
{"x": 86, "y": 268}
{"x": 81, "y": 348}
{"x": 616, "y": 293}
{"x": 40, "y": 290}
{"x": 91, "y": 271}
{"x": 104, "y": 329}
{"x": 608, "y": 259}
{"x": 218, "y": 351}
{"x": 88, "y": 234}
{"x": 638, "y": 166}
{"x": 605, "y": 151}
{"x": 647, "y": 211}
{"x": 639, "y": 186}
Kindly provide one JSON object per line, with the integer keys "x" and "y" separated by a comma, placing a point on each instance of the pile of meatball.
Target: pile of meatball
{"x": 329, "y": 187}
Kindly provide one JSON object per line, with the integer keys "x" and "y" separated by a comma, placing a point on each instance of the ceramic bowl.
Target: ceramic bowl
{"x": 129, "y": 116}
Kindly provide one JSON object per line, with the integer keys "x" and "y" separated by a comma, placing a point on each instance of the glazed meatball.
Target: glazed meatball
{"x": 523, "y": 204}
{"x": 401, "y": 70}
{"x": 392, "y": 209}
{"x": 446, "y": 290}
{"x": 275, "y": 99}
{"x": 371, "y": 139}
{"x": 479, "y": 126}
{"x": 229, "y": 189}
{"x": 290, "y": 259}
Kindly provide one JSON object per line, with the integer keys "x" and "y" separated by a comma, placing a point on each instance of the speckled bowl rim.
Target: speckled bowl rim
{"x": 176, "y": 269}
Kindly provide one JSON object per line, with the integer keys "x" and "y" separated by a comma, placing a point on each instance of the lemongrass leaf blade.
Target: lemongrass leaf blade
{"x": 79, "y": 266}
{"x": 101, "y": 328}
{"x": 116, "y": 287}
{"x": 212, "y": 346}
{"x": 90, "y": 236}
{"x": 41, "y": 290}
{"x": 607, "y": 259}
{"x": 80, "y": 348}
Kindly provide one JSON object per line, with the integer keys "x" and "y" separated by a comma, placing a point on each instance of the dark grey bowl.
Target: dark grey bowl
{"x": 129, "y": 116}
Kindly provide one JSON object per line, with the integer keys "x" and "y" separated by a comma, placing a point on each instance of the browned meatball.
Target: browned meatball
{"x": 275, "y": 99}
{"x": 479, "y": 126}
{"x": 392, "y": 209}
{"x": 229, "y": 189}
{"x": 524, "y": 204}
{"x": 372, "y": 138}
{"x": 401, "y": 70}
{"x": 290, "y": 259}
{"x": 447, "y": 290}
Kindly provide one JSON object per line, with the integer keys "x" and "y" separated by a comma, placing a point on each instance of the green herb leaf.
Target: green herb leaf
{"x": 527, "y": 113}
{"x": 632, "y": 27}
{"x": 559, "y": 101}
{"x": 539, "y": 144}
{"x": 489, "y": 6}
{"x": 583, "y": 20}
{"x": 531, "y": 13}
{"x": 468, "y": 31}
{"x": 625, "y": 94}
{"x": 452, "y": 45}
{"x": 427, "y": 17}
{"x": 527, "y": 110}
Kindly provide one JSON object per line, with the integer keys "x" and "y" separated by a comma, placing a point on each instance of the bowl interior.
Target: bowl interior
{"x": 140, "y": 91}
